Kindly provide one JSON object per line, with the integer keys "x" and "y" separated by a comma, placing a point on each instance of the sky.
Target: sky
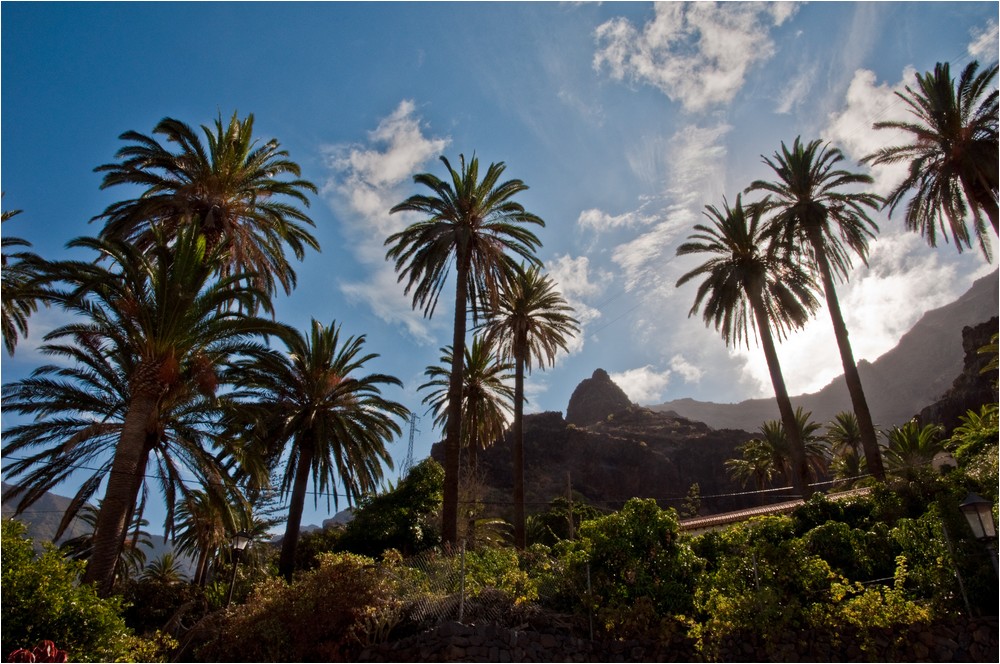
{"x": 624, "y": 119}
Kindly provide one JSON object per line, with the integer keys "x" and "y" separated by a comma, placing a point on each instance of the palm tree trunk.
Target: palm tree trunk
{"x": 520, "y": 345}
{"x": 800, "y": 472}
{"x": 286, "y": 563}
{"x": 868, "y": 440}
{"x": 131, "y": 455}
{"x": 453, "y": 432}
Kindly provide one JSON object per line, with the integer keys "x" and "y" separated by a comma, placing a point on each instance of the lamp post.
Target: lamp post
{"x": 239, "y": 542}
{"x": 979, "y": 513}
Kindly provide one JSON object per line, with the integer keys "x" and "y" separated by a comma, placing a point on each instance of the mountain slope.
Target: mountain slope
{"x": 898, "y": 384}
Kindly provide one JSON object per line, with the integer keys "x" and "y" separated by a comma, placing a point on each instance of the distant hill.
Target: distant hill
{"x": 43, "y": 517}
{"x": 898, "y": 385}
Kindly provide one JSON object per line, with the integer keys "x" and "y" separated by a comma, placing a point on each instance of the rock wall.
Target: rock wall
{"x": 958, "y": 640}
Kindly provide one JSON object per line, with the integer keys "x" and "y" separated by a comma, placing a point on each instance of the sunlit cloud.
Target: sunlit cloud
{"x": 644, "y": 385}
{"x": 367, "y": 180}
{"x": 851, "y": 128}
{"x": 696, "y": 53}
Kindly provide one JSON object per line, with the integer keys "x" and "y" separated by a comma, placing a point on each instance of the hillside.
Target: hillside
{"x": 914, "y": 374}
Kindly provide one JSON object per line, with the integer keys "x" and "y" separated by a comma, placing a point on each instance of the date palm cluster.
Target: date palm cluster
{"x": 771, "y": 258}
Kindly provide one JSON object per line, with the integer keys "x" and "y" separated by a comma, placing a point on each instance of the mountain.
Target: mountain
{"x": 43, "y": 516}
{"x": 914, "y": 374}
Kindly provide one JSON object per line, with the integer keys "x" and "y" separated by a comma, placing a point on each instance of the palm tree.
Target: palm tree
{"x": 133, "y": 555}
{"x": 531, "y": 324}
{"x": 228, "y": 187}
{"x": 163, "y": 328}
{"x": 952, "y": 155}
{"x": 487, "y": 397}
{"x": 20, "y": 294}
{"x": 913, "y": 447}
{"x": 844, "y": 437}
{"x": 475, "y": 224}
{"x": 333, "y": 422}
{"x": 755, "y": 464}
{"x": 749, "y": 284}
{"x": 203, "y": 523}
{"x": 811, "y": 214}
{"x": 165, "y": 569}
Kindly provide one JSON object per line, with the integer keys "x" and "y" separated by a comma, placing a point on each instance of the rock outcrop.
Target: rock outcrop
{"x": 594, "y": 399}
{"x": 972, "y": 388}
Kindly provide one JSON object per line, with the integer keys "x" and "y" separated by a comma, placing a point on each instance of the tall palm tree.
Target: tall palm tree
{"x": 952, "y": 155}
{"x": 474, "y": 224}
{"x": 333, "y": 422}
{"x": 531, "y": 324}
{"x": 164, "y": 326}
{"x": 228, "y": 187}
{"x": 19, "y": 288}
{"x": 815, "y": 215}
{"x": 748, "y": 284}
{"x": 487, "y": 397}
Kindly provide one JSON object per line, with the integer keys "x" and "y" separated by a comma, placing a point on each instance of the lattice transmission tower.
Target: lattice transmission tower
{"x": 409, "y": 450}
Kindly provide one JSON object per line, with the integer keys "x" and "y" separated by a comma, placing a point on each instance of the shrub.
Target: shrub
{"x": 634, "y": 553}
{"x": 43, "y": 600}
{"x": 325, "y": 615}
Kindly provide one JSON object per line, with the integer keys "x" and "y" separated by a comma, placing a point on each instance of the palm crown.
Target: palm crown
{"x": 227, "y": 187}
{"x": 952, "y": 157}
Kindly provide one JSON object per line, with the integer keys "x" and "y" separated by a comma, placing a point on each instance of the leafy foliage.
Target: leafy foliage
{"x": 400, "y": 519}
{"x": 43, "y": 599}
{"x": 325, "y": 615}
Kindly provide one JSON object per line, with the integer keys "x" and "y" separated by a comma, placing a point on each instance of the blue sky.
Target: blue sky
{"x": 624, "y": 119}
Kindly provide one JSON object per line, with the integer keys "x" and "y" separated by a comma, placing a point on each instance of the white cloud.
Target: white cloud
{"x": 851, "y": 129}
{"x": 596, "y": 220}
{"x": 696, "y": 53}
{"x": 644, "y": 385}
{"x": 366, "y": 181}
{"x": 984, "y": 45}
{"x": 687, "y": 371}
{"x": 572, "y": 278}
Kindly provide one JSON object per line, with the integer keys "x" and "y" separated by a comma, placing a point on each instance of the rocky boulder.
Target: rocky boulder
{"x": 594, "y": 399}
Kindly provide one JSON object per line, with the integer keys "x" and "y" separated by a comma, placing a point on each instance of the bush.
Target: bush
{"x": 43, "y": 600}
{"x": 635, "y": 554}
{"x": 324, "y": 615}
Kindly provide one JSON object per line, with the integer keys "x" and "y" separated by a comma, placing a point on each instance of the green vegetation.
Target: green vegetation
{"x": 165, "y": 383}
{"x": 44, "y": 600}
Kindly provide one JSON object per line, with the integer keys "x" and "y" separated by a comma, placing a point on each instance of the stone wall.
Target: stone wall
{"x": 959, "y": 640}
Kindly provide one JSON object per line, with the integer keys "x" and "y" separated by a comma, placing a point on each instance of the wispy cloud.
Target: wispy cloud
{"x": 695, "y": 53}
{"x": 572, "y": 277}
{"x": 797, "y": 89}
{"x": 985, "y": 45}
{"x": 366, "y": 181}
{"x": 696, "y": 158}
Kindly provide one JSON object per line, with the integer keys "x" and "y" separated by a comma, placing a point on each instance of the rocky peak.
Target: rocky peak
{"x": 594, "y": 399}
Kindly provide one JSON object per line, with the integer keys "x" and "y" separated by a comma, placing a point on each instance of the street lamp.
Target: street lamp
{"x": 979, "y": 513}
{"x": 239, "y": 542}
